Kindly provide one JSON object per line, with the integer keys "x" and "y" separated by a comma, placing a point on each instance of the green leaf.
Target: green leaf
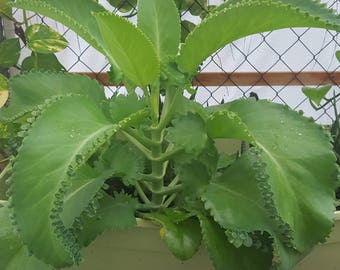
{"x": 243, "y": 19}
{"x": 226, "y": 124}
{"x": 243, "y": 193}
{"x": 13, "y": 254}
{"x": 337, "y": 55}
{"x": 183, "y": 238}
{"x": 159, "y": 20}
{"x": 316, "y": 94}
{"x": 300, "y": 164}
{"x": 85, "y": 185}
{"x": 124, "y": 161}
{"x": 30, "y": 90}
{"x": 122, "y": 106}
{"x": 9, "y": 52}
{"x": 237, "y": 186}
{"x": 195, "y": 177}
{"x": 116, "y": 213}
{"x": 285, "y": 258}
{"x": 48, "y": 62}
{"x": 188, "y": 132}
{"x": 234, "y": 198}
{"x": 43, "y": 39}
{"x": 131, "y": 52}
{"x": 44, "y": 168}
{"x": 208, "y": 158}
{"x": 226, "y": 256}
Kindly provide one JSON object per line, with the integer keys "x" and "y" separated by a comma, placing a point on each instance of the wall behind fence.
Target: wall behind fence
{"x": 292, "y": 51}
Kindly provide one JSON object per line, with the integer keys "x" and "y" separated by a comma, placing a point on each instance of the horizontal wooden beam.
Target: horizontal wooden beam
{"x": 250, "y": 78}
{"x": 265, "y": 79}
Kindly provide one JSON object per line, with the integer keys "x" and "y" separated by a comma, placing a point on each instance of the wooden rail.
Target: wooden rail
{"x": 250, "y": 78}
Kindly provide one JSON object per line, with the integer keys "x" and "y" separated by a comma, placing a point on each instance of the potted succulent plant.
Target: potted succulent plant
{"x": 85, "y": 164}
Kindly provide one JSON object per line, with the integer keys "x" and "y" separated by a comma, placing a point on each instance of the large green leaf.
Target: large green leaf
{"x": 242, "y": 193}
{"x": 13, "y": 254}
{"x": 243, "y": 19}
{"x": 85, "y": 185}
{"x": 43, "y": 39}
{"x": 225, "y": 255}
{"x": 129, "y": 48}
{"x": 234, "y": 198}
{"x": 125, "y": 161}
{"x": 122, "y": 106}
{"x": 69, "y": 128}
{"x": 159, "y": 20}
{"x": 300, "y": 164}
{"x": 9, "y": 52}
{"x": 188, "y": 132}
{"x": 195, "y": 177}
{"x": 182, "y": 236}
{"x": 227, "y": 124}
{"x": 30, "y": 90}
{"x": 116, "y": 213}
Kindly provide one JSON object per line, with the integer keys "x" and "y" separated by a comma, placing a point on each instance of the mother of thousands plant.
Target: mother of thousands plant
{"x": 265, "y": 208}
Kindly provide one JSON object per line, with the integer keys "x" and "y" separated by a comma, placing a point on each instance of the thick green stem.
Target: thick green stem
{"x": 157, "y": 167}
{"x": 154, "y": 103}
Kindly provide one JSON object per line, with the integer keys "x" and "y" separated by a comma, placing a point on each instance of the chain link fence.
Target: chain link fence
{"x": 293, "y": 51}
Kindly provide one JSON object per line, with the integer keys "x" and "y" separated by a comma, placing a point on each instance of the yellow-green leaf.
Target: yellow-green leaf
{"x": 129, "y": 48}
{"x": 43, "y": 39}
{"x": 159, "y": 20}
